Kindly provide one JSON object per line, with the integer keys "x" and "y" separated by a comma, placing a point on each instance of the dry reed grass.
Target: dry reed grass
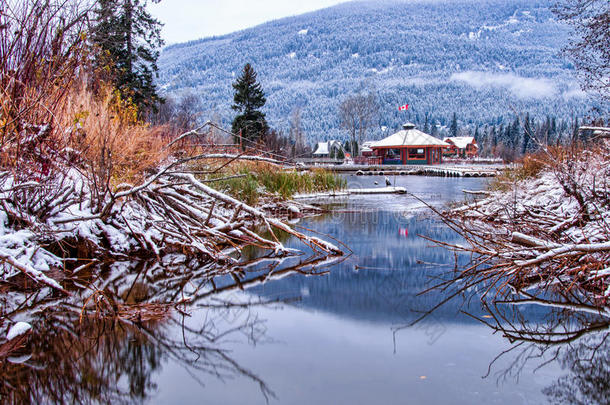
{"x": 112, "y": 143}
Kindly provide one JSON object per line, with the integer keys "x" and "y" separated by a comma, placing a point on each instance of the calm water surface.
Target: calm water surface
{"x": 336, "y": 343}
{"x": 341, "y": 336}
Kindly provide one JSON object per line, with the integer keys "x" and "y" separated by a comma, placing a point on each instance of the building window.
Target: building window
{"x": 416, "y": 154}
{"x": 393, "y": 154}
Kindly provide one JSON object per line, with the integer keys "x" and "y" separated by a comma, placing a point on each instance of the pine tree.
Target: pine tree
{"x": 514, "y": 138}
{"x": 527, "y": 133}
{"x": 454, "y": 126}
{"x": 248, "y": 99}
{"x": 434, "y": 130}
{"x": 128, "y": 39}
{"x": 426, "y": 125}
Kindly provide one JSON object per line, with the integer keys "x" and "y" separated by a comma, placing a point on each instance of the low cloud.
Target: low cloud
{"x": 521, "y": 87}
{"x": 573, "y": 92}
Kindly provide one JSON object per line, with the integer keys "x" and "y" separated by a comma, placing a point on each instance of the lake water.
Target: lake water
{"x": 278, "y": 333}
{"x": 337, "y": 344}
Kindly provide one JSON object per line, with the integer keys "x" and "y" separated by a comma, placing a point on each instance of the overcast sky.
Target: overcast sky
{"x": 187, "y": 20}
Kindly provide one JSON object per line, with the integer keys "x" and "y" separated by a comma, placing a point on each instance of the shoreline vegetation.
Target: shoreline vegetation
{"x": 540, "y": 235}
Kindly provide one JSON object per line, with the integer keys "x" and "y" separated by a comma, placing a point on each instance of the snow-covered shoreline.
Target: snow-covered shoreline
{"x": 171, "y": 213}
{"x": 547, "y": 231}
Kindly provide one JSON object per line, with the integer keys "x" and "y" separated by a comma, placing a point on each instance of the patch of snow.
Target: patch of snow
{"x": 20, "y": 359}
{"x": 324, "y": 243}
{"x": 18, "y": 329}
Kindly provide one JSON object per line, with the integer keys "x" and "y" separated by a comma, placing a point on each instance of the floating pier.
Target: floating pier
{"x": 353, "y": 191}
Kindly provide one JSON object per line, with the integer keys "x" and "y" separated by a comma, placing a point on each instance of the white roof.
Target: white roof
{"x": 461, "y": 141}
{"x": 409, "y": 136}
{"x": 366, "y": 146}
{"x": 322, "y": 149}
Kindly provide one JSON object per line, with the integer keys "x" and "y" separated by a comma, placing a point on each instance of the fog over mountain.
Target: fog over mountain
{"x": 484, "y": 60}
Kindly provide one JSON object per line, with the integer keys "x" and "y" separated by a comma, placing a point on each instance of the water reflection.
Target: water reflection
{"x": 307, "y": 328}
{"x": 571, "y": 331}
{"x": 588, "y": 373}
{"x": 135, "y": 319}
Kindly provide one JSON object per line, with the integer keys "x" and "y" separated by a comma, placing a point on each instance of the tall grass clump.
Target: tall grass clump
{"x": 257, "y": 180}
{"x": 107, "y": 141}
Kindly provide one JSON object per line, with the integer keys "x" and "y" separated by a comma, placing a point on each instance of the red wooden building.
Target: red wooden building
{"x": 461, "y": 146}
{"x": 409, "y": 146}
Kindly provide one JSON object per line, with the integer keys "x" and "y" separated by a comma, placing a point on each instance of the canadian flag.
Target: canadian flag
{"x": 403, "y": 107}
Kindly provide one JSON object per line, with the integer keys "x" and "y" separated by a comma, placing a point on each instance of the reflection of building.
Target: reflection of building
{"x": 325, "y": 149}
{"x": 409, "y": 146}
{"x": 463, "y": 146}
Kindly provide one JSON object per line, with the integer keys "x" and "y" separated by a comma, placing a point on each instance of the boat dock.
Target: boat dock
{"x": 415, "y": 170}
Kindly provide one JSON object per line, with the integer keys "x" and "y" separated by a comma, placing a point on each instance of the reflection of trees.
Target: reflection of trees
{"x": 588, "y": 378}
{"x": 80, "y": 363}
{"x": 109, "y": 350}
{"x": 572, "y": 332}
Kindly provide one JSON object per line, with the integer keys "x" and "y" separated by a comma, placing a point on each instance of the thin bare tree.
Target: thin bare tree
{"x": 589, "y": 49}
{"x": 357, "y": 114}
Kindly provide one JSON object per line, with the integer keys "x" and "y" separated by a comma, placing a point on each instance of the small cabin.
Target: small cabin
{"x": 461, "y": 146}
{"x": 325, "y": 149}
{"x": 409, "y": 146}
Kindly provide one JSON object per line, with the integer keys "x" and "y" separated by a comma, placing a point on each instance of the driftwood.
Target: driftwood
{"x": 545, "y": 235}
{"x": 170, "y": 211}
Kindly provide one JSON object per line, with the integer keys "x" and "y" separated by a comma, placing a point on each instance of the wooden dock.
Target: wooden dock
{"x": 352, "y": 191}
{"x": 415, "y": 170}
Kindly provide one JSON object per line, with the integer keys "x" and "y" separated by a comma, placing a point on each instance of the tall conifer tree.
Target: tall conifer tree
{"x": 129, "y": 38}
{"x": 453, "y": 130}
{"x": 248, "y": 99}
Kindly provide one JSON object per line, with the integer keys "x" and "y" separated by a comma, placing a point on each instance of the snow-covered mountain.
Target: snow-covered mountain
{"x": 482, "y": 59}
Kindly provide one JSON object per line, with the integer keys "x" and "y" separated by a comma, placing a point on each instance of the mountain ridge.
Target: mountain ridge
{"x": 485, "y": 64}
